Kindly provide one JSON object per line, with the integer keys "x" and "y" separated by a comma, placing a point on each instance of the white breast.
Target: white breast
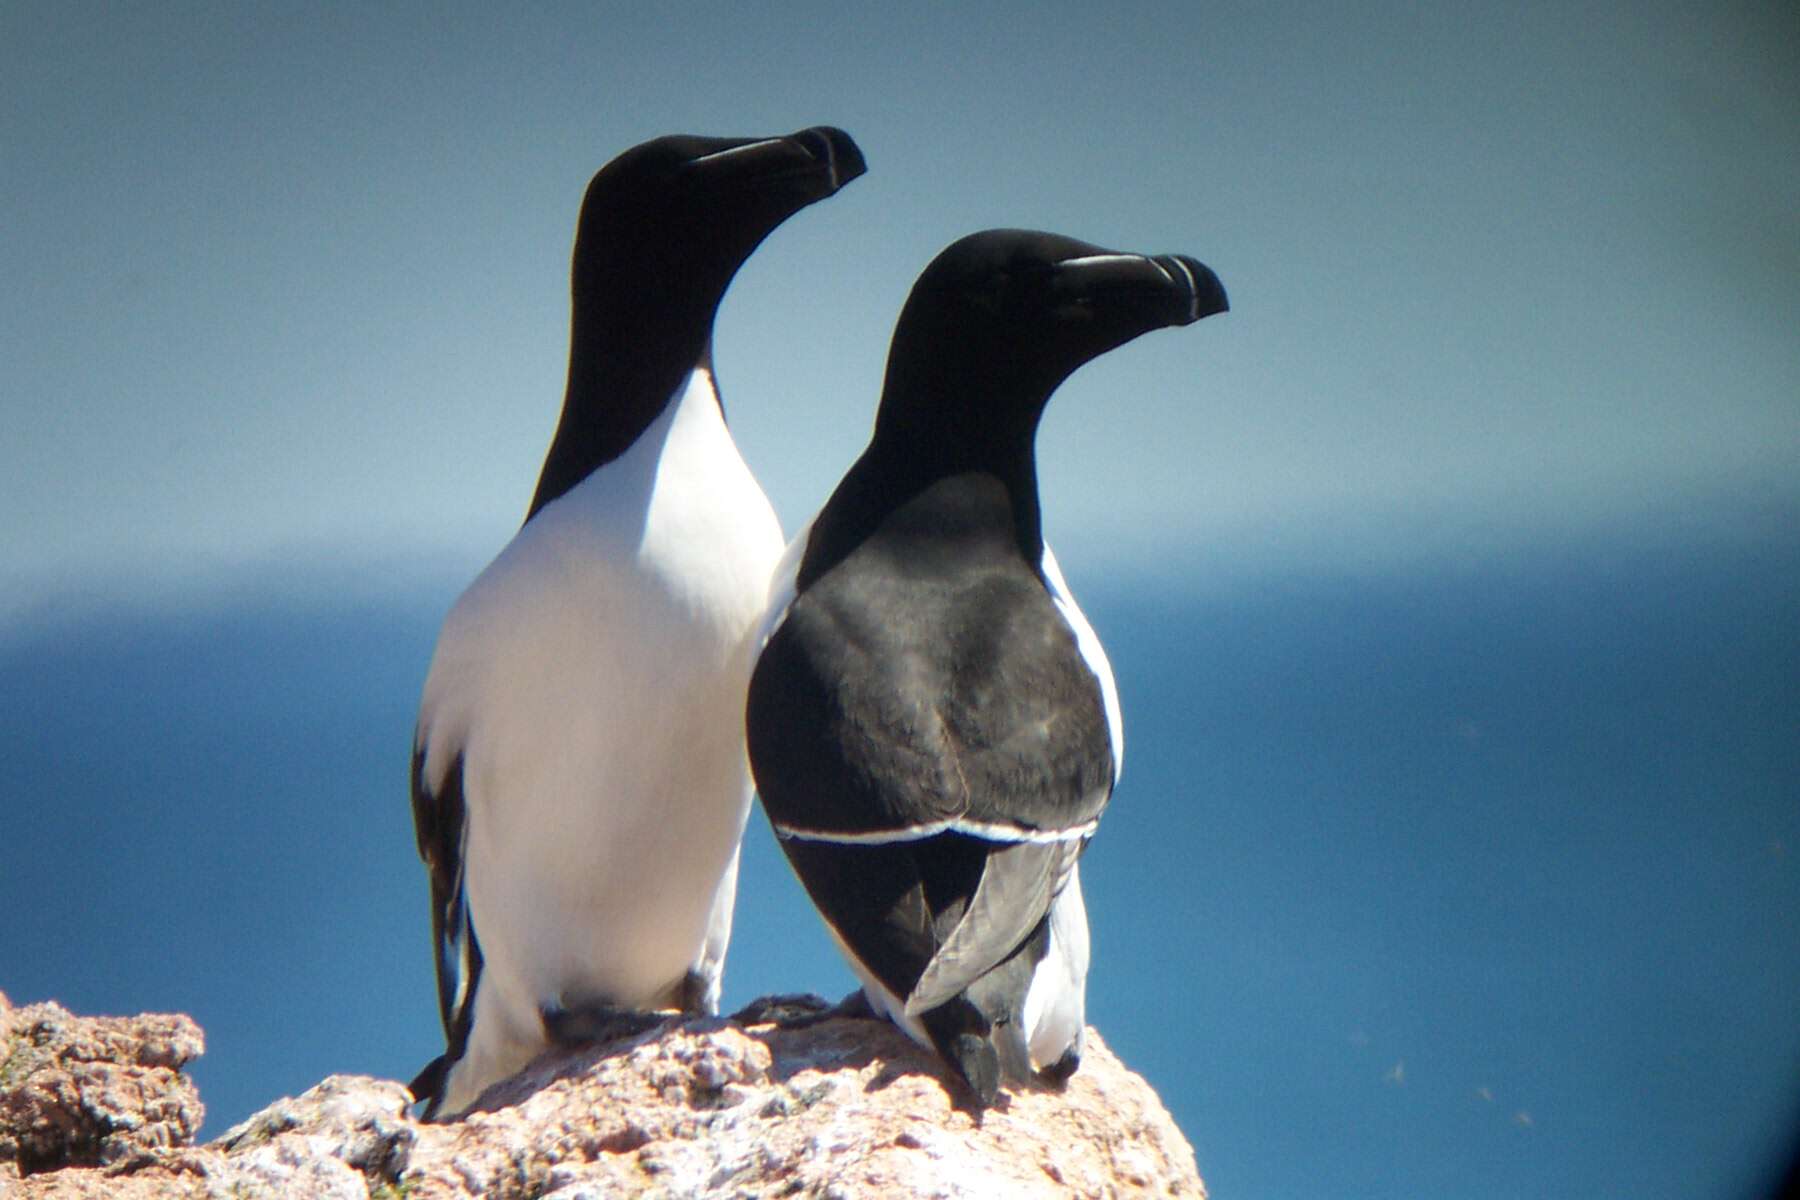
{"x": 593, "y": 680}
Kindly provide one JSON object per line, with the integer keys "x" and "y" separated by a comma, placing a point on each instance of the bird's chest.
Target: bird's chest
{"x": 619, "y": 607}
{"x": 676, "y": 530}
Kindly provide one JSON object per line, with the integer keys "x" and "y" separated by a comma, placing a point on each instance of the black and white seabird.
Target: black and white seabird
{"x": 933, "y": 726}
{"x": 579, "y": 783}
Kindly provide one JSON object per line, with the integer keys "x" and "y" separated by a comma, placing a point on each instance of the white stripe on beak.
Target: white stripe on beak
{"x": 716, "y": 155}
{"x": 1096, "y": 259}
{"x": 1193, "y": 289}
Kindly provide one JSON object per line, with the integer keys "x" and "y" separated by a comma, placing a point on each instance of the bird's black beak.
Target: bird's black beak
{"x": 1198, "y": 291}
{"x": 822, "y": 159}
{"x": 835, "y": 151}
{"x": 1173, "y": 289}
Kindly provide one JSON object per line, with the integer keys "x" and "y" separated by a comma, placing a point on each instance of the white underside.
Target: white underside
{"x": 1055, "y": 1006}
{"x": 593, "y": 679}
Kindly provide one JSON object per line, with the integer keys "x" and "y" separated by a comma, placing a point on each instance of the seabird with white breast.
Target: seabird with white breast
{"x": 579, "y": 783}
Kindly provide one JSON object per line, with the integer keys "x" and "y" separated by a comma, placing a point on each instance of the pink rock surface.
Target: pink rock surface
{"x": 783, "y": 1101}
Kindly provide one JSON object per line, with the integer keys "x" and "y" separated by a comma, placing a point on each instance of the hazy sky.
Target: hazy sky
{"x": 294, "y": 286}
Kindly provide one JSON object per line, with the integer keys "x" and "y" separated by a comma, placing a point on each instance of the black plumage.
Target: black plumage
{"x": 931, "y": 738}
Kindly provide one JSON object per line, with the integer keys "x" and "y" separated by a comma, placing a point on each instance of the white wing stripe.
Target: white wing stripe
{"x": 989, "y": 830}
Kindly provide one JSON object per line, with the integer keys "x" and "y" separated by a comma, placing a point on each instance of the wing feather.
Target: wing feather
{"x": 1018, "y": 884}
{"x": 439, "y": 825}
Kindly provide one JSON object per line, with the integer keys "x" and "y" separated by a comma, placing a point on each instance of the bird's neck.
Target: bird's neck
{"x": 622, "y": 374}
{"x": 894, "y": 473}
{"x": 943, "y": 416}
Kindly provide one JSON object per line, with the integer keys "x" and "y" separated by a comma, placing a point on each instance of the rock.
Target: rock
{"x": 89, "y": 1091}
{"x": 786, "y": 1099}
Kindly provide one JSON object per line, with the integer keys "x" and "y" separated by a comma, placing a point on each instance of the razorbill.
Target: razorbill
{"x": 933, "y": 726}
{"x": 579, "y": 785}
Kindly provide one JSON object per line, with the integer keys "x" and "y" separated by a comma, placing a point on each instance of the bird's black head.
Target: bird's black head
{"x": 665, "y": 225}
{"x": 664, "y": 228}
{"x": 992, "y": 326}
{"x": 1000, "y": 318}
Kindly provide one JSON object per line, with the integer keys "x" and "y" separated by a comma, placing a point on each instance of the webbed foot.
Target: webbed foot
{"x": 589, "y": 1023}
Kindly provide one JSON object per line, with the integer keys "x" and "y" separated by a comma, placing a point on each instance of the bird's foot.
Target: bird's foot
{"x": 588, "y": 1023}
{"x": 803, "y": 1010}
{"x": 1056, "y": 1076}
{"x": 788, "y": 1010}
{"x": 854, "y": 1007}
{"x": 694, "y": 997}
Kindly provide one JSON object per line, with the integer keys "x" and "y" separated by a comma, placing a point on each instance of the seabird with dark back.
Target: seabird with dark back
{"x": 933, "y": 726}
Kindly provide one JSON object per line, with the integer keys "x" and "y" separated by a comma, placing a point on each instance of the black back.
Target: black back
{"x": 925, "y": 733}
{"x": 929, "y": 676}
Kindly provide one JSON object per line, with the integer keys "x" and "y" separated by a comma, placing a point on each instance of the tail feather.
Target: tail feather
{"x": 981, "y": 1032}
{"x": 961, "y": 1034}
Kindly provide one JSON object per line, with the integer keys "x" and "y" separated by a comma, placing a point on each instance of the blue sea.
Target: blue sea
{"x": 1457, "y": 880}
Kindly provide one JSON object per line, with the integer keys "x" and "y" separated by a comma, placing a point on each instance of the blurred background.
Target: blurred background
{"x": 1451, "y": 579}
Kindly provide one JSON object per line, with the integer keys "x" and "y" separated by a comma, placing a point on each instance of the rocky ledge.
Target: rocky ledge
{"x": 782, "y": 1099}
